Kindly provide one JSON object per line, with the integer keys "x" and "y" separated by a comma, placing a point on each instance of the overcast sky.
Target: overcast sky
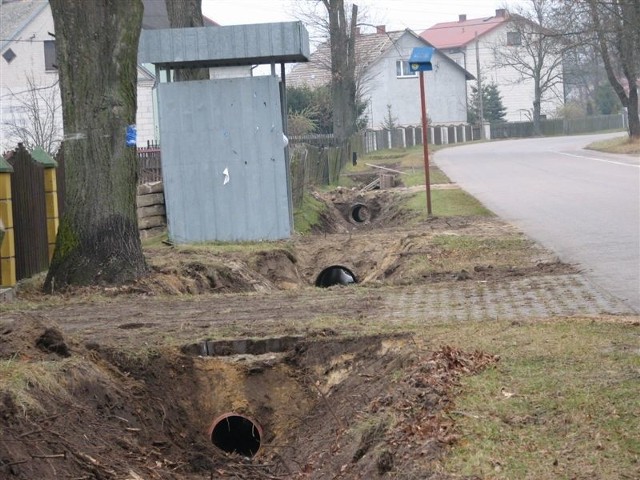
{"x": 395, "y": 14}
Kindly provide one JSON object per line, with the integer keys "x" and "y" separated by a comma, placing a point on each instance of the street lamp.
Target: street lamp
{"x": 420, "y": 61}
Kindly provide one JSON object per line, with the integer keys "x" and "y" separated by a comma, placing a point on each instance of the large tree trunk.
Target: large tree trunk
{"x": 187, "y": 14}
{"x": 621, "y": 20}
{"x": 342, "y": 37}
{"x": 98, "y": 240}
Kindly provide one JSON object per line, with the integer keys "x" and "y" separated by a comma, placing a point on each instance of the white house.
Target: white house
{"x": 385, "y": 82}
{"x": 28, "y": 64}
{"x": 28, "y": 60}
{"x": 27, "y": 50}
{"x": 486, "y": 41}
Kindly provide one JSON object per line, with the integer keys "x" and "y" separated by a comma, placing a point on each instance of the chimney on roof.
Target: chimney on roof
{"x": 462, "y": 18}
{"x": 501, "y": 12}
{"x": 358, "y": 32}
{"x": 381, "y": 29}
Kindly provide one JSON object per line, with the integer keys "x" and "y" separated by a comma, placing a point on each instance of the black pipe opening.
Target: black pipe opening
{"x": 236, "y": 434}
{"x": 335, "y": 275}
{"x": 360, "y": 213}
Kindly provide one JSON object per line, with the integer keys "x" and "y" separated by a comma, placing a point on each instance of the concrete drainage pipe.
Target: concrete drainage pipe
{"x": 335, "y": 275}
{"x": 360, "y": 213}
{"x": 234, "y": 433}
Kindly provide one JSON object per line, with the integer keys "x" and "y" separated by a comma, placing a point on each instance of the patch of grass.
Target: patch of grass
{"x": 410, "y": 161}
{"x": 155, "y": 241}
{"x": 562, "y": 403}
{"x": 404, "y": 157}
{"x": 19, "y": 379}
{"x": 617, "y": 145}
{"x": 447, "y": 203}
{"x": 384, "y": 156}
{"x": 416, "y": 177}
{"x": 308, "y": 214}
{"x": 453, "y": 253}
{"x": 477, "y": 246}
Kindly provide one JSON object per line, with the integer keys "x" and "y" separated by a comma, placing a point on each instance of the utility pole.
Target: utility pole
{"x": 480, "y": 93}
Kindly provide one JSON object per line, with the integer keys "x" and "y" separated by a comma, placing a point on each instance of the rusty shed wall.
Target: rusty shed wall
{"x": 211, "y": 126}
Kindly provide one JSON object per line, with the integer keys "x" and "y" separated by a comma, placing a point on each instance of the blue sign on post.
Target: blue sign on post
{"x": 420, "y": 59}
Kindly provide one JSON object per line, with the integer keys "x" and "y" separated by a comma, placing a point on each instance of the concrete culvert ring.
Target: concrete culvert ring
{"x": 234, "y": 433}
{"x": 335, "y": 275}
{"x": 360, "y": 213}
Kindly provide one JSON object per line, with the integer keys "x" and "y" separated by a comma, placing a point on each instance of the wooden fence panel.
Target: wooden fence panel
{"x": 29, "y": 215}
{"x": 149, "y": 165}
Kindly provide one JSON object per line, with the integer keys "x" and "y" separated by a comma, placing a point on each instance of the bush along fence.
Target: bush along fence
{"x": 32, "y": 201}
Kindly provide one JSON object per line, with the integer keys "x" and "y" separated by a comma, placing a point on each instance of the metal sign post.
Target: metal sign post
{"x": 420, "y": 61}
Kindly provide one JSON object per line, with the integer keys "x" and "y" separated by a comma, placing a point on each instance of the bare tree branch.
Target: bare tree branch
{"x": 36, "y": 117}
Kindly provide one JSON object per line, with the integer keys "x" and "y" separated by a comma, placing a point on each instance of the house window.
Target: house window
{"x": 9, "y": 55}
{"x": 50, "y": 55}
{"x": 514, "y": 38}
{"x": 402, "y": 69}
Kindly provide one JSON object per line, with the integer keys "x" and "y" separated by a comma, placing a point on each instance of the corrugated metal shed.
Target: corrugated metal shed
{"x": 224, "y": 164}
{"x": 223, "y": 160}
{"x": 225, "y": 46}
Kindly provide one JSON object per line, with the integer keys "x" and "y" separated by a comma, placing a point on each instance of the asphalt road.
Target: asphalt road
{"x": 583, "y": 205}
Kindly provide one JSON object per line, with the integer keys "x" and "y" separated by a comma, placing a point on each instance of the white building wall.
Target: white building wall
{"x": 516, "y": 91}
{"x": 30, "y": 63}
{"x": 445, "y": 89}
{"x": 145, "y": 114}
{"x": 28, "y": 66}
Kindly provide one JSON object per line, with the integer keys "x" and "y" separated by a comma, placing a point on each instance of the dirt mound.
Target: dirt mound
{"x": 370, "y": 234}
{"x": 31, "y": 338}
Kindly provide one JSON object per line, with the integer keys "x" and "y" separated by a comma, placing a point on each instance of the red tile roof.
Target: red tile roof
{"x": 460, "y": 33}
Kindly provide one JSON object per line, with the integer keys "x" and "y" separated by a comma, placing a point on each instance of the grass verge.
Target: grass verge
{"x": 562, "y": 403}
{"x": 308, "y": 214}
{"x": 617, "y": 145}
{"x": 410, "y": 161}
{"x": 447, "y": 203}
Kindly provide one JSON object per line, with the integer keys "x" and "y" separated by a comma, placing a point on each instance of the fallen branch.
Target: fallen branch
{"x": 385, "y": 168}
{"x": 17, "y": 462}
{"x": 53, "y": 455}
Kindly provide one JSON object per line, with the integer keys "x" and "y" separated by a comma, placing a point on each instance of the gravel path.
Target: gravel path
{"x": 531, "y": 297}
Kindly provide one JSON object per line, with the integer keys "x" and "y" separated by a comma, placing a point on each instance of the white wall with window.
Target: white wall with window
{"x": 515, "y": 90}
{"x": 391, "y": 83}
{"x": 26, "y": 62}
{"x": 403, "y": 69}
{"x": 30, "y": 59}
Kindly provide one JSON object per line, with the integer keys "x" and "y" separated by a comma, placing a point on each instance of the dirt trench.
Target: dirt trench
{"x": 325, "y": 407}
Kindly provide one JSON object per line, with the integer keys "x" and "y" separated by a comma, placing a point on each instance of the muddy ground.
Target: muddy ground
{"x": 130, "y": 382}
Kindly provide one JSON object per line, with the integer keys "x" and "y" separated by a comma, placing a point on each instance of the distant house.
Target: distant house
{"x": 387, "y": 85}
{"x": 495, "y": 33}
{"x": 28, "y": 58}
{"x": 27, "y": 48}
